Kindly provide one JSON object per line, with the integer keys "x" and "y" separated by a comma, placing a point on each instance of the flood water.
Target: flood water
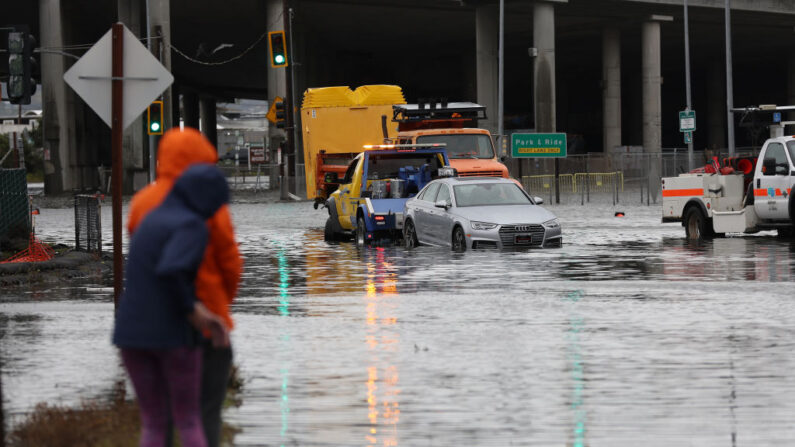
{"x": 627, "y": 335}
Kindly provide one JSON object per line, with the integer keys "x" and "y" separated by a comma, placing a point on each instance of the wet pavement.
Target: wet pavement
{"x": 627, "y": 333}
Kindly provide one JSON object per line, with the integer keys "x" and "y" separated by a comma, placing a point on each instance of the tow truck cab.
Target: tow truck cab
{"x": 471, "y": 150}
{"x": 377, "y": 182}
{"x": 759, "y": 198}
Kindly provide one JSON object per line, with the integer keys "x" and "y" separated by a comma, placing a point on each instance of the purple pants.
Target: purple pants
{"x": 167, "y": 376}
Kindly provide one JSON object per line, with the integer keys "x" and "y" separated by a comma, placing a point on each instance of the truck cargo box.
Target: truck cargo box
{"x": 338, "y": 122}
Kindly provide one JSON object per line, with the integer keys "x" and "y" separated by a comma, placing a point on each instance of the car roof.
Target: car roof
{"x": 469, "y": 180}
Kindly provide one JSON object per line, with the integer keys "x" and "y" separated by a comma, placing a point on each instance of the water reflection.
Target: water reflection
{"x": 383, "y": 342}
{"x": 749, "y": 258}
{"x": 576, "y": 323}
{"x": 284, "y": 345}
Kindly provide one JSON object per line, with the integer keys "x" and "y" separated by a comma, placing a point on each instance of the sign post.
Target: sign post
{"x": 116, "y": 134}
{"x": 687, "y": 125}
{"x": 136, "y": 79}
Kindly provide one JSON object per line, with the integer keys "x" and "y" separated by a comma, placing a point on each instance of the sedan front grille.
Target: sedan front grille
{"x": 533, "y": 232}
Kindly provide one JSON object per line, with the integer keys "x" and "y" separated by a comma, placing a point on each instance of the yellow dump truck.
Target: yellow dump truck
{"x": 337, "y": 123}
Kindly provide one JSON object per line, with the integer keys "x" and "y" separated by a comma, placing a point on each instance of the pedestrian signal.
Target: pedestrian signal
{"x": 154, "y": 118}
{"x": 278, "y": 47}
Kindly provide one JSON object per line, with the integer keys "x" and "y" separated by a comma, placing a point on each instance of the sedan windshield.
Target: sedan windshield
{"x": 462, "y": 145}
{"x": 482, "y": 194}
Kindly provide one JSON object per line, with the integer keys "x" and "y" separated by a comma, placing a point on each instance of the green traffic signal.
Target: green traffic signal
{"x": 154, "y": 118}
{"x": 278, "y": 48}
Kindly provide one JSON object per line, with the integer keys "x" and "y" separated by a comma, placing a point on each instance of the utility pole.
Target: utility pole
{"x": 500, "y": 81}
{"x": 729, "y": 82}
{"x": 687, "y": 84}
{"x": 297, "y": 155}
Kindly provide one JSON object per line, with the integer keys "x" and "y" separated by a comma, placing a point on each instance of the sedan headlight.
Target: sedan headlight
{"x": 483, "y": 226}
{"x": 553, "y": 224}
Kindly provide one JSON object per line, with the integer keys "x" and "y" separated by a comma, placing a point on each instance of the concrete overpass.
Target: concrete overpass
{"x": 611, "y": 71}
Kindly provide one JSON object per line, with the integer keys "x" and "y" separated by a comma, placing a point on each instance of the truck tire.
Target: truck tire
{"x": 459, "y": 242}
{"x": 361, "y": 231}
{"x": 697, "y": 226}
{"x": 410, "y": 235}
{"x": 328, "y": 232}
{"x": 791, "y": 210}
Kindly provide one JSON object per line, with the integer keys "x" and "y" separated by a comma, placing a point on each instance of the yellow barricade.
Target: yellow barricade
{"x": 596, "y": 181}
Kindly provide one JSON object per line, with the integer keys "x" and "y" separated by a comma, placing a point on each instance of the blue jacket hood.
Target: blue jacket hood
{"x": 203, "y": 188}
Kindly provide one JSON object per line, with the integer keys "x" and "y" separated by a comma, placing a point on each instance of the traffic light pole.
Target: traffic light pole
{"x": 152, "y": 138}
{"x": 289, "y": 104}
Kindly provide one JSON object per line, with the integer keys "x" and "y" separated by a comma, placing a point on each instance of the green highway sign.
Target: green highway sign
{"x": 538, "y": 145}
{"x": 687, "y": 121}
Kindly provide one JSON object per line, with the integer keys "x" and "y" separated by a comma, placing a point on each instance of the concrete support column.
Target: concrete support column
{"x": 652, "y": 103}
{"x": 58, "y": 173}
{"x": 790, "y": 90}
{"x": 611, "y": 89}
{"x": 160, "y": 24}
{"x": 544, "y": 66}
{"x": 716, "y": 106}
{"x": 190, "y": 108}
{"x": 486, "y": 62}
{"x": 132, "y": 13}
{"x": 208, "y": 120}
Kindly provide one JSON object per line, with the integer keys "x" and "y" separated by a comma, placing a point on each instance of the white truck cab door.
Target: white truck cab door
{"x": 772, "y": 189}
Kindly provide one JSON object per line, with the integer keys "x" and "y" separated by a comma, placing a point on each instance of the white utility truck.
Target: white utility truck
{"x": 712, "y": 204}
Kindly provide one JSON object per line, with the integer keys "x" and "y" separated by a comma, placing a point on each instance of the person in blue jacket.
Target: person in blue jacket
{"x": 159, "y": 317}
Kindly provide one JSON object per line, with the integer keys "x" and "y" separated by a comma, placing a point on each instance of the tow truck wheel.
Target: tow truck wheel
{"x": 361, "y": 240}
{"x": 696, "y": 225}
{"x": 459, "y": 240}
{"x": 328, "y": 232}
{"x": 410, "y": 235}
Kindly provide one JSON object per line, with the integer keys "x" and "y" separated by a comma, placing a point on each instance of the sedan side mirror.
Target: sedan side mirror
{"x": 538, "y": 200}
{"x": 443, "y": 204}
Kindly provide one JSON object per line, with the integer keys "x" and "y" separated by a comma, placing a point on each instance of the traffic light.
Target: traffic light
{"x": 154, "y": 118}
{"x": 21, "y": 65}
{"x": 278, "y": 46}
{"x": 280, "y": 114}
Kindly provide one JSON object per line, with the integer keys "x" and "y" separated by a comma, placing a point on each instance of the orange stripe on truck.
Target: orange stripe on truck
{"x": 683, "y": 192}
{"x": 760, "y": 192}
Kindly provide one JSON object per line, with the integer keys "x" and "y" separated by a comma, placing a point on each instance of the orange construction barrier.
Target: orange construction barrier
{"x": 37, "y": 251}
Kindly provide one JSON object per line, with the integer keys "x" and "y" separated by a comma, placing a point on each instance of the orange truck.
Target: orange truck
{"x": 337, "y": 123}
{"x": 470, "y": 149}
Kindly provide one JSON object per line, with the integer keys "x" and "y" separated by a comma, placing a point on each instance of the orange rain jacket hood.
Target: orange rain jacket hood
{"x": 219, "y": 272}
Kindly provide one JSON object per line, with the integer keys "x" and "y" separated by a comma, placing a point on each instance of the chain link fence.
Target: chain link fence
{"x": 88, "y": 223}
{"x": 629, "y": 178}
{"x": 14, "y": 205}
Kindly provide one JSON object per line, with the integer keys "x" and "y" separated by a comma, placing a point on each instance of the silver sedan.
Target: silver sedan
{"x": 478, "y": 212}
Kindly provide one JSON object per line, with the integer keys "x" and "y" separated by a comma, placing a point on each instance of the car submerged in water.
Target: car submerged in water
{"x": 478, "y": 212}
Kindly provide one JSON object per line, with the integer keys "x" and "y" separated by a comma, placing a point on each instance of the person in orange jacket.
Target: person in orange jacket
{"x": 219, "y": 273}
